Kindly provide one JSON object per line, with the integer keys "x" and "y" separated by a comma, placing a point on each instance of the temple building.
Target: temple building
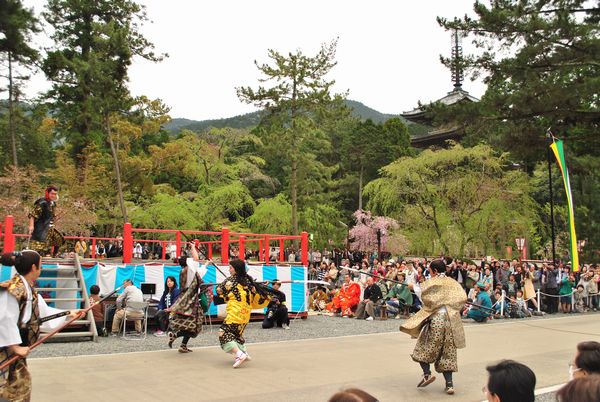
{"x": 437, "y": 136}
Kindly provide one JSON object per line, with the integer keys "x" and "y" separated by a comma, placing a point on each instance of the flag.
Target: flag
{"x": 559, "y": 153}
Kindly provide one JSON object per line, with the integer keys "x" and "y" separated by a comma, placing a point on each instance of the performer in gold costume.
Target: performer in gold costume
{"x": 242, "y": 295}
{"x": 437, "y": 325}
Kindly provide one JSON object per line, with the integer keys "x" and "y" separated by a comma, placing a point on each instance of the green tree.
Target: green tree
{"x": 449, "y": 195}
{"x": 17, "y": 24}
{"x": 541, "y": 62}
{"x": 95, "y": 43}
{"x": 299, "y": 89}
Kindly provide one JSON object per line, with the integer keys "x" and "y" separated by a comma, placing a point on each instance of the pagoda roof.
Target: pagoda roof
{"x": 437, "y": 137}
{"x": 418, "y": 115}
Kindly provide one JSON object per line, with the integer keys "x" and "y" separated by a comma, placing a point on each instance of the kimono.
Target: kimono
{"x": 438, "y": 324}
{"x": 45, "y": 236}
{"x": 187, "y": 313}
{"x": 318, "y": 300}
{"x": 241, "y": 299}
{"x": 346, "y": 299}
{"x": 20, "y": 310}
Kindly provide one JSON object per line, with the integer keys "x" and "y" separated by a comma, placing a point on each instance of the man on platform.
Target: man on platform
{"x": 44, "y": 236}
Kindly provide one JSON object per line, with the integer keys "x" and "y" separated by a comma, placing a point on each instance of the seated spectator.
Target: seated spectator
{"x": 346, "y": 298}
{"x": 586, "y": 361}
{"x": 371, "y": 297}
{"x": 582, "y": 389}
{"x": 277, "y": 312}
{"x": 168, "y": 298}
{"x": 318, "y": 299}
{"x": 500, "y": 305}
{"x": 352, "y": 395}
{"x": 399, "y": 298}
{"x": 482, "y": 299}
{"x": 521, "y": 305}
{"x": 510, "y": 381}
{"x": 97, "y": 308}
{"x": 130, "y": 294}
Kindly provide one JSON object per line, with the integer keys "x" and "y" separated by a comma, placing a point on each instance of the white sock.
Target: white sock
{"x": 239, "y": 353}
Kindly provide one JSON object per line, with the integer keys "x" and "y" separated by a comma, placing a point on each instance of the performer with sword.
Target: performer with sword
{"x": 43, "y": 234}
{"x": 21, "y": 318}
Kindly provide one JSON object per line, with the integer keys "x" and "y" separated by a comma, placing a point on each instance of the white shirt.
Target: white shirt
{"x": 9, "y": 316}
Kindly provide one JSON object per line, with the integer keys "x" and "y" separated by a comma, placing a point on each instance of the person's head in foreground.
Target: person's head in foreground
{"x": 510, "y": 381}
{"x": 586, "y": 361}
{"x": 352, "y": 395}
{"x": 581, "y": 389}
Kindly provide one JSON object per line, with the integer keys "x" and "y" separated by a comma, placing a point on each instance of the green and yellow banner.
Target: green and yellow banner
{"x": 559, "y": 153}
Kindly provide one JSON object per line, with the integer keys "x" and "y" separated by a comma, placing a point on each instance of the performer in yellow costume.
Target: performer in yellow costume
{"x": 242, "y": 295}
{"x": 438, "y": 325}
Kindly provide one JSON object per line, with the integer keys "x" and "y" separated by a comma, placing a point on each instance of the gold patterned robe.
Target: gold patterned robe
{"x": 438, "y": 324}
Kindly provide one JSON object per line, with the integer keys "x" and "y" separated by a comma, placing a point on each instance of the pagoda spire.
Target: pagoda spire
{"x": 457, "y": 61}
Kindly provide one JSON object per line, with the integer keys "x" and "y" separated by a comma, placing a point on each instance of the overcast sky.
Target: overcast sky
{"x": 388, "y": 51}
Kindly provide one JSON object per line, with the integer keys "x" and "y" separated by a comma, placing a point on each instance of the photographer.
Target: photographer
{"x": 277, "y": 312}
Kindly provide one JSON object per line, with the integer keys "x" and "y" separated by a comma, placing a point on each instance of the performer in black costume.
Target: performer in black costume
{"x": 44, "y": 235}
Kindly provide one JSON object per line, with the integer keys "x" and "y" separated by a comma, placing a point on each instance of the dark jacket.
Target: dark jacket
{"x": 162, "y": 305}
{"x": 372, "y": 293}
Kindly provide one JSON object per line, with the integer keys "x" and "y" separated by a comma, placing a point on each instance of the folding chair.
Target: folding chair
{"x": 144, "y": 319}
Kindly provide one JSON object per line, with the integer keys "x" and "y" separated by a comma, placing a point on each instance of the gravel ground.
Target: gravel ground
{"x": 316, "y": 326}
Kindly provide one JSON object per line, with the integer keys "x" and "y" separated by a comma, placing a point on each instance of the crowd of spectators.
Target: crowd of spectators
{"x": 515, "y": 289}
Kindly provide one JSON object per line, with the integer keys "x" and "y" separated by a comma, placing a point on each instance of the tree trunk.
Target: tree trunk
{"x": 294, "y": 195}
{"x": 11, "y": 112}
{"x": 113, "y": 150}
{"x": 360, "y": 187}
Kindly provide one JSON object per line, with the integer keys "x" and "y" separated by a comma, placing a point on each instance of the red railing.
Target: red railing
{"x": 225, "y": 240}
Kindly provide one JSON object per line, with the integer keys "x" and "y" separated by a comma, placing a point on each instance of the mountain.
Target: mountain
{"x": 252, "y": 119}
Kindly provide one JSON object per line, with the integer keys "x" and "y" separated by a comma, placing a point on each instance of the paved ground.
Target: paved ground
{"x": 309, "y": 369}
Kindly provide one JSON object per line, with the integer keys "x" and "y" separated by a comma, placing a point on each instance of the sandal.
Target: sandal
{"x": 172, "y": 338}
{"x": 184, "y": 349}
{"x": 426, "y": 380}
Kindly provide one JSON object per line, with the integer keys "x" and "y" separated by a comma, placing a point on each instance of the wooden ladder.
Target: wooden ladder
{"x": 70, "y": 271}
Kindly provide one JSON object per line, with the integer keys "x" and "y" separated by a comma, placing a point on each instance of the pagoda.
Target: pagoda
{"x": 437, "y": 136}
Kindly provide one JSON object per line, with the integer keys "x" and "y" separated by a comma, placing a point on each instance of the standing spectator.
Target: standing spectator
{"x": 80, "y": 247}
{"x": 292, "y": 256}
{"x": 551, "y": 289}
{"x": 503, "y": 274}
{"x": 566, "y": 288}
{"x": 137, "y": 251}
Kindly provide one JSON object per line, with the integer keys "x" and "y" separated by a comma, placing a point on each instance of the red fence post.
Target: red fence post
{"x": 260, "y": 250}
{"x": 177, "y": 244}
{"x": 242, "y": 248}
{"x": 225, "y": 246}
{"x": 164, "y": 251}
{"x": 94, "y": 248}
{"x": 127, "y": 243}
{"x": 210, "y": 251}
{"x": 267, "y": 250}
{"x": 281, "y": 253}
{"x": 304, "y": 247}
{"x": 9, "y": 237}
